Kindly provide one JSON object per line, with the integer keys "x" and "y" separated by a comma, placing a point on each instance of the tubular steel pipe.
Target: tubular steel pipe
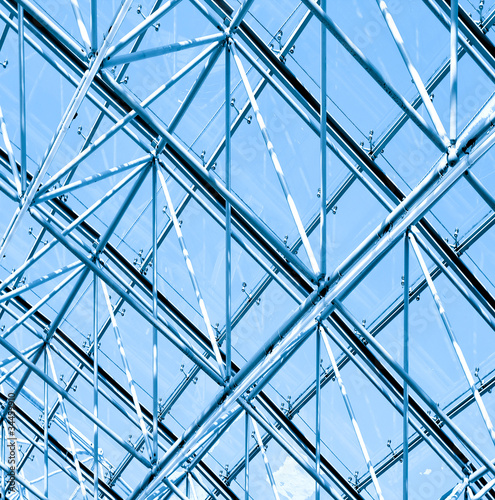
{"x": 323, "y": 149}
{"x": 228, "y": 219}
{"x": 454, "y": 27}
{"x": 405, "y": 420}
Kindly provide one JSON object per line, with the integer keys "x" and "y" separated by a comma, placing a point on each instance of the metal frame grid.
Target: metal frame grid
{"x": 63, "y": 259}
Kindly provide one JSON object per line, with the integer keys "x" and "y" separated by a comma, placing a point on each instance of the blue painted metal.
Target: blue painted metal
{"x": 159, "y": 127}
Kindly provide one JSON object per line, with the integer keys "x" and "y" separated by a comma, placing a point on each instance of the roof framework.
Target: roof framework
{"x": 216, "y": 281}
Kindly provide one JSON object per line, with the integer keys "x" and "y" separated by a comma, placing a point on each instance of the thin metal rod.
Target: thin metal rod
{"x": 27, "y": 351}
{"x": 480, "y": 189}
{"x": 265, "y": 460}
{"x": 192, "y": 276}
{"x": 125, "y": 363}
{"x": 208, "y": 14}
{"x": 323, "y": 149}
{"x": 259, "y": 88}
{"x": 192, "y": 93}
{"x": 22, "y": 97}
{"x": 163, "y": 50}
{"x": 418, "y": 82}
{"x": 96, "y": 349}
{"x": 318, "y": 410}
{"x": 2, "y": 453}
{"x": 82, "y": 27}
{"x": 457, "y": 349}
{"x": 405, "y": 415}
{"x": 228, "y": 228}
{"x": 5, "y": 31}
{"x": 94, "y": 25}
{"x": 454, "y": 33}
{"x": 276, "y": 163}
{"x": 239, "y": 15}
{"x": 352, "y": 417}
{"x": 402, "y": 120}
{"x": 154, "y": 354}
{"x": 247, "y": 435}
{"x": 193, "y": 488}
{"x": 68, "y": 188}
{"x": 39, "y": 281}
{"x": 10, "y": 153}
{"x": 310, "y": 120}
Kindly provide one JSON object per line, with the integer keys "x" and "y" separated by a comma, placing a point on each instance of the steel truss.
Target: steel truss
{"x": 75, "y": 436}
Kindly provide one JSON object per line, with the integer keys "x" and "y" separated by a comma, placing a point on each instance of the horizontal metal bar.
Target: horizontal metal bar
{"x": 45, "y": 195}
{"x": 161, "y": 51}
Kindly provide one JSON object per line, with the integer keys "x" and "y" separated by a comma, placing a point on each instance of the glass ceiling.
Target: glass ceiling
{"x": 215, "y": 283}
